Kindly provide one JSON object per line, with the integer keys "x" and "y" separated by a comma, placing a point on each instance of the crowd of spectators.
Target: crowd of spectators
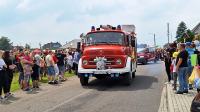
{"x": 33, "y": 66}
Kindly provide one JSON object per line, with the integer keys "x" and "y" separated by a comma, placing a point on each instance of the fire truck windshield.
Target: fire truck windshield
{"x": 105, "y": 38}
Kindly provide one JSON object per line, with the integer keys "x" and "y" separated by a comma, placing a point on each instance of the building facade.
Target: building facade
{"x": 52, "y": 46}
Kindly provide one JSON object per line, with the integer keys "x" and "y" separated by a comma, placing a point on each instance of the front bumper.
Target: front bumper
{"x": 81, "y": 70}
{"x": 107, "y": 71}
{"x": 141, "y": 60}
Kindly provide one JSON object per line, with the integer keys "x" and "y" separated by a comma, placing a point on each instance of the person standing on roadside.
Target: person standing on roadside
{"x": 38, "y": 60}
{"x": 61, "y": 65}
{"x": 27, "y": 66}
{"x": 9, "y": 70}
{"x": 18, "y": 57}
{"x": 181, "y": 69}
{"x": 3, "y": 76}
{"x": 69, "y": 62}
{"x": 174, "y": 74}
{"x": 35, "y": 75}
{"x": 55, "y": 67}
{"x": 190, "y": 51}
{"x": 76, "y": 58}
{"x": 42, "y": 69}
{"x": 50, "y": 67}
{"x": 167, "y": 60}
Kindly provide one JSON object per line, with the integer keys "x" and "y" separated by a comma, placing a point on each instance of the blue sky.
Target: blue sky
{"x": 42, "y": 21}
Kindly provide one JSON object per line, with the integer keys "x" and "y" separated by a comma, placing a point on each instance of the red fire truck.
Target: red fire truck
{"x": 108, "y": 51}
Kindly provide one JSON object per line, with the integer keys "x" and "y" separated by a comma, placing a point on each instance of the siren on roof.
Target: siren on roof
{"x": 119, "y": 27}
{"x": 93, "y": 28}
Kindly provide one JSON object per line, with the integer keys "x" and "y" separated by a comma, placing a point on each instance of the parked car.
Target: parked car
{"x": 145, "y": 55}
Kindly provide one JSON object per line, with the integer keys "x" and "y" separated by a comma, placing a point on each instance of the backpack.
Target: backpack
{"x": 195, "y": 107}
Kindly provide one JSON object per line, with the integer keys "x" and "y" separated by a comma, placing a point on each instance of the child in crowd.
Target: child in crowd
{"x": 175, "y": 54}
{"x": 197, "y": 79}
{"x": 35, "y": 74}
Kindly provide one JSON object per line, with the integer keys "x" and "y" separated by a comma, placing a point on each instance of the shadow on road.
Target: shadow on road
{"x": 140, "y": 82}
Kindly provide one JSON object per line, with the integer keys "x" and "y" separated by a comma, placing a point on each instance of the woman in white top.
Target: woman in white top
{"x": 3, "y": 78}
{"x": 69, "y": 62}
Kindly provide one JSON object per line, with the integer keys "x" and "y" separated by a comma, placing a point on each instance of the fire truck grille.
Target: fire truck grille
{"x": 110, "y": 61}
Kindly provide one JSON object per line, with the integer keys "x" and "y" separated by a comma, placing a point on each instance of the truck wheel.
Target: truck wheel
{"x": 133, "y": 74}
{"x": 144, "y": 62}
{"x": 128, "y": 78}
{"x": 100, "y": 77}
{"x": 84, "y": 80}
{"x": 155, "y": 60}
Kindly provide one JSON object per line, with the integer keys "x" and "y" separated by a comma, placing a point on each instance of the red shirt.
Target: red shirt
{"x": 19, "y": 56}
{"x": 55, "y": 59}
{"x": 27, "y": 58}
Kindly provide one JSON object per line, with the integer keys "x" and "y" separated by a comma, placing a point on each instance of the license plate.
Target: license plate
{"x": 100, "y": 72}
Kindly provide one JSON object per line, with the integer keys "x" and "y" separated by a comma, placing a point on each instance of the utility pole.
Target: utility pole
{"x": 171, "y": 38}
{"x": 40, "y": 46}
{"x": 154, "y": 38}
{"x": 168, "y": 32}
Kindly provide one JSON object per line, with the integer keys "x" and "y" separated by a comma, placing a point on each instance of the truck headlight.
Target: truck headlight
{"x": 141, "y": 56}
{"x": 85, "y": 62}
{"x": 119, "y": 61}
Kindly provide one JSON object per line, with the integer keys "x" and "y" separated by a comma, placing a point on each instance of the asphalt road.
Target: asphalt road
{"x": 108, "y": 95}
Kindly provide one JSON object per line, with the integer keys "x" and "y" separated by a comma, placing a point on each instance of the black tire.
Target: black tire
{"x": 133, "y": 74}
{"x": 84, "y": 80}
{"x": 155, "y": 60}
{"x": 100, "y": 77}
{"x": 144, "y": 62}
{"x": 128, "y": 79}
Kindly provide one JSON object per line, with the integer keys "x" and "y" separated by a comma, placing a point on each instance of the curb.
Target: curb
{"x": 169, "y": 100}
{"x": 163, "y": 103}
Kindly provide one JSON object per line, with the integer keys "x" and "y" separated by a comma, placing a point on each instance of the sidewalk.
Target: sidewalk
{"x": 171, "y": 102}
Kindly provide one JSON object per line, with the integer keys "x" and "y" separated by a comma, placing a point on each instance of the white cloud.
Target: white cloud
{"x": 3, "y": 3}
{"x": 43, "y": 25}
{"x": 24, "y": 5}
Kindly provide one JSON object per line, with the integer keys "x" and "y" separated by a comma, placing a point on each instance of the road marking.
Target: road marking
{"x": 67, "y": 101}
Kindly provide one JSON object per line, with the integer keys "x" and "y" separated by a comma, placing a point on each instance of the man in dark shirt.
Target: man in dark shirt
{"x": 168, "y": 63}
{"x": 181, "y": 69}
{"x": 61, "y": 64}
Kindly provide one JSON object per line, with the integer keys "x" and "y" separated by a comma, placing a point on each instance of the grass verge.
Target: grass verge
{"x": 15, "y": 84}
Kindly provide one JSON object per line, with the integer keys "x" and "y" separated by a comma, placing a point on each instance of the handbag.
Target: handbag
{"x": 12, "y": 67}
{"x": 195, "y": 106}
{"x": 192, "y": 77}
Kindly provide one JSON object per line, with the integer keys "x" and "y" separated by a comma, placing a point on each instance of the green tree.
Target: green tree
{"x": 5, "y": 43}
{"x": 191, "y": 36}
{"x": 187, "y": 37}
{"x": 27, "y": 46}
{"x": 181, "y": 30}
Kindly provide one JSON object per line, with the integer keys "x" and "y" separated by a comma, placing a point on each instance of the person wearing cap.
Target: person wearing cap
{"x": 181, "y": 69}
{"x": 174, "y": 74}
